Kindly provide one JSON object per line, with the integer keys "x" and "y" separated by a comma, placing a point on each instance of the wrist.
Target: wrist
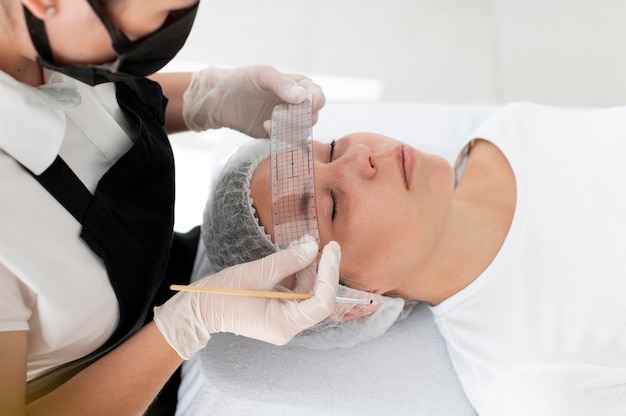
{"x": 180, "y": 330}
{"x": 202, "y": 98}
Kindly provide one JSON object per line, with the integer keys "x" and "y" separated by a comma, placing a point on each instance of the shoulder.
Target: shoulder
{"x": 513, "y": 114}
{"x": 31, "y": 127}
{"x": 488, "y": 177}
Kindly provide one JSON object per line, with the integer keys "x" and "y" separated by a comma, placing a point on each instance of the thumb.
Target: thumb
{"x": 286, "y": 88}
{"x": 284, "y": 263}
{"x": 328, "y": 272}
{"x": 323, "y": 302}
{"x": 295, "y": 95}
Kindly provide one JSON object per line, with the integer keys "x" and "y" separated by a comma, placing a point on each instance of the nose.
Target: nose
{"x": 357, "y": 162}
{"x": 361, "y": 160}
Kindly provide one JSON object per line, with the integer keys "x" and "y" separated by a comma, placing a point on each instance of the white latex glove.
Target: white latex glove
{"x": 188, "y": 319}
{"x": 243, "y": 98}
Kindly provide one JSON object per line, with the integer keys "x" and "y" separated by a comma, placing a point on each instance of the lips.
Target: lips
{"x": 408, "y": 161}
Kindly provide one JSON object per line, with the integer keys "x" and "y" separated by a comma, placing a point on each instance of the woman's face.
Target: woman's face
{"x": 383, "y": 201}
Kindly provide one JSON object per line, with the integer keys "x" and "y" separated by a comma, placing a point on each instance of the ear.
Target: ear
{"x": 345, "y": 312}
{"x": 40, "y": 8}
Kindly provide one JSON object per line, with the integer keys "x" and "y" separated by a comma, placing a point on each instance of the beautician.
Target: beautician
{"x": 86, "y": 207}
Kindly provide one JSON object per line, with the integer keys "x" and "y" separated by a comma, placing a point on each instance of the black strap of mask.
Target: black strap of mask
{"x": 121, "y": 43}
{"x": 38, "y": 33}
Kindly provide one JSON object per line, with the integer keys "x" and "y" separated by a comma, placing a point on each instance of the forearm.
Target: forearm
{"x": 124, "y": 382}
{"x": 174, "y": 85}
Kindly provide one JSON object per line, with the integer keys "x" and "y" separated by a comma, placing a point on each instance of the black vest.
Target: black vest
{"x": 128, "y": 221}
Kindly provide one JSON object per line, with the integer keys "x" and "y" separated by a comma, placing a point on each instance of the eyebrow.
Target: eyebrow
{"x": 308, "y": 212}
{"x": 294, "y": 207}
{"x": 304, "y": 203}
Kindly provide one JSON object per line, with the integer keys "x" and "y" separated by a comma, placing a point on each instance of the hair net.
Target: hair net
{"x": 231, "y": 234}
{"x": 230, "y": 229}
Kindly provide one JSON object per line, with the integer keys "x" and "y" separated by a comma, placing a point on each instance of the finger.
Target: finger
{"x": 282, "y": 264}
{"x": 283, "y": 85}
{"x": 312, "y": 89}
{"x": 319, "y": 99}
{"x": 267, "y": 125}
{"x": 305, "y": 279}
{"x": 328, "y": 271}
{"x": 294, "y": 95}
{"x": 317, "y": 308}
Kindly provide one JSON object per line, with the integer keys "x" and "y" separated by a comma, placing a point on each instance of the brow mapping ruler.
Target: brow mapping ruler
{"x": 294, "y": 211}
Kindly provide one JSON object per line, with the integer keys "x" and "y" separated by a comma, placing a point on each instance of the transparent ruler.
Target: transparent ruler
{"x": 294, "y": 211}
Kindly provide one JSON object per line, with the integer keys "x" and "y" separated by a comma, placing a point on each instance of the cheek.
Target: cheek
{"x": 375, "y": 255}
{"x": 367, "y": 262}
{"x": 137, "y": 19}
{"x": 94, "y": 47}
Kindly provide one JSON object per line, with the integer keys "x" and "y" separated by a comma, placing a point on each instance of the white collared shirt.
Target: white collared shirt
{"x": 51, "y": 284}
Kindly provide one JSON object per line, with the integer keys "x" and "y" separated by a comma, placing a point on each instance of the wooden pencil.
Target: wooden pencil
{"x": 238, "y": 292}
{"x": 263, "y": 294}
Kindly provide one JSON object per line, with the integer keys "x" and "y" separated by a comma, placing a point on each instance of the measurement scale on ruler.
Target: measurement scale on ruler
{"x": 294, "y": 211}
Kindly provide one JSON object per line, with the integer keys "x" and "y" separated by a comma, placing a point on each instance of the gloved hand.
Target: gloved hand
{"x": 188, "y": 319}
{"x": 243, "y": 98}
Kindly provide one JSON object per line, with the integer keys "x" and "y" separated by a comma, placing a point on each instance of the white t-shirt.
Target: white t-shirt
{"x": 543, "y": 330}
{"x": 51, "y": 284}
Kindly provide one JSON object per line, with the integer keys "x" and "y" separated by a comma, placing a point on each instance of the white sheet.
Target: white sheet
{"x": 405, "y": 371}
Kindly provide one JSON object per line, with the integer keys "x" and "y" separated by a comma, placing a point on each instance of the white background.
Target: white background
{"x": 563, "y": 52}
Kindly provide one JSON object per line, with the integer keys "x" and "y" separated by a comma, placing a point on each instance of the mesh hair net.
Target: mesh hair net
{"x": 230, "y": 228}
{"x": 231, "y": 234}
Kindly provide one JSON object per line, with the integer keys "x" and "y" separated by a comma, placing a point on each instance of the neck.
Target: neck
{"x": 16, "y": 51}
{"x": 464, "y": 251}
{"x": 480, "y": 216}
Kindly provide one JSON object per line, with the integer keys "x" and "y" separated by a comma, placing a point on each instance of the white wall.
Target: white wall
{"x": 563, "y": 52}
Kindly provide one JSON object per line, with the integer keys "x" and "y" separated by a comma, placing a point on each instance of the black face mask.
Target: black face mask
{"x": 135, "y": 59}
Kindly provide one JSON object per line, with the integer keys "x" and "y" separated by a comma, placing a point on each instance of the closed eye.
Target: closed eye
{"x": 332, "y": 193}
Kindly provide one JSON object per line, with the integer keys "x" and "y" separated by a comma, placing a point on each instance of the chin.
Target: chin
{"x": 441, "y": 174}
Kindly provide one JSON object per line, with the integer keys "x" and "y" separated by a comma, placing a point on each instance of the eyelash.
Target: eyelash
{"x": 332, "y": 193}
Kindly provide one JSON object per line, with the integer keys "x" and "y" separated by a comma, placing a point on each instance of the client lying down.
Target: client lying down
{"x": 518, "y": 248}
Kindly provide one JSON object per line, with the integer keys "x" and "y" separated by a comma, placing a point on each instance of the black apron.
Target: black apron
{"x": 128, "y": 221}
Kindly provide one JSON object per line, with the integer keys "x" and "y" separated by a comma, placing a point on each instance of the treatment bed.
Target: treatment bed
{"x": 405, "y": 371}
